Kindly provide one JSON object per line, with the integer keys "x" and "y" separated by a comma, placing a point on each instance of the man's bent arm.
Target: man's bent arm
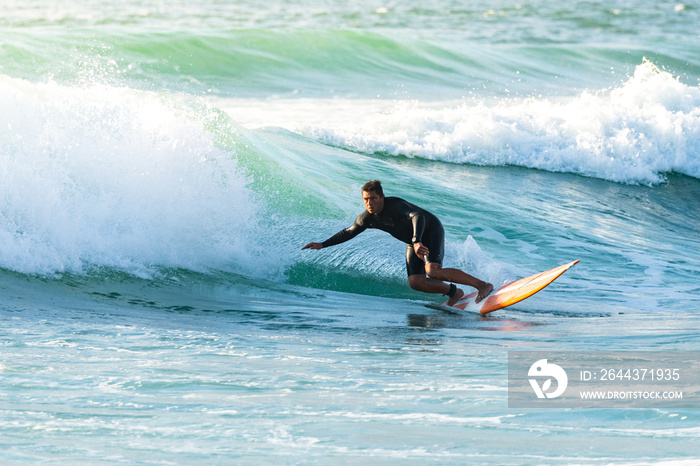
{"x": 418, "y": 220}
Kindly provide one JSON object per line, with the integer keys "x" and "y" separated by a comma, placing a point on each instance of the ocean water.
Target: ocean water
{"x": 162, "y": 164}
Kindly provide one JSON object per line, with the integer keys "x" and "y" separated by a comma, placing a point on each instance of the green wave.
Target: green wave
{"x": 311, "y": 62}
{"x": 240, "y": 61}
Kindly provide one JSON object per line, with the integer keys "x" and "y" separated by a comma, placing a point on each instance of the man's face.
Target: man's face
{"x": 373, "y": 202}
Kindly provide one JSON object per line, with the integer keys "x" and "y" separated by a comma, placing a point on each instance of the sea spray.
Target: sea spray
{"x": 105, "y": 176}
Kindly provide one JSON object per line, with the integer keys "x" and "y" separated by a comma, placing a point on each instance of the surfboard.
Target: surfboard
{"x": 513, "y": 292}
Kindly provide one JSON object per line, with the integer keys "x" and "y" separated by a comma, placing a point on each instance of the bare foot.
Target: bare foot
{"x": 484, "y": 292}
{"x": 458, "y": 295}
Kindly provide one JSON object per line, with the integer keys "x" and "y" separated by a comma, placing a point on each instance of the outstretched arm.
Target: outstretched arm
{"x": 340, "y": 237}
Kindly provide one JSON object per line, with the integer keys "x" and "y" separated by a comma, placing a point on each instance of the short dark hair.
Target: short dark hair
{"x": 375, "y": 186}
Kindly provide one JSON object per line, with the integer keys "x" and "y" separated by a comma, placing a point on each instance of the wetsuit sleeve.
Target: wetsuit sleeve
{"x": 346, "y": 233}
{"x": 418, "y": 220}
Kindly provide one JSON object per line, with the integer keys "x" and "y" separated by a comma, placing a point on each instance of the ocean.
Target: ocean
{"x": 163, "y": 163}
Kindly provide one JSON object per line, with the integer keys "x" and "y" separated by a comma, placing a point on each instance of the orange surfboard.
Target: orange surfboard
{"x": 512, "y": 292}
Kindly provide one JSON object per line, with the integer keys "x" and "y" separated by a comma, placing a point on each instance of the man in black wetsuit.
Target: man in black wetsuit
{"x": 425, "y": 239}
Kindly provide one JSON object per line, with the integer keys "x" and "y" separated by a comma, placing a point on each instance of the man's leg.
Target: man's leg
{"x": 420, "y": 282}
{"x": 436, "y": 277}
{"x": 435, "y": 271}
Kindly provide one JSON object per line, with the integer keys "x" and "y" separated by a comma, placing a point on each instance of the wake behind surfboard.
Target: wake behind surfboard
{"x": 512, "y": 292}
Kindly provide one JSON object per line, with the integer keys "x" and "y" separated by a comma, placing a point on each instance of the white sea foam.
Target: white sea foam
{"x": 113, "y": 177}
{"x": 635, "y": 133}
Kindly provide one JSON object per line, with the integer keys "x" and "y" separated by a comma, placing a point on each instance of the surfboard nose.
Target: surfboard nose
{"x": 513, "y": 292}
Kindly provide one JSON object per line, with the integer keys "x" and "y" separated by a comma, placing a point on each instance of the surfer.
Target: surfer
{"x": 425, "y": 243}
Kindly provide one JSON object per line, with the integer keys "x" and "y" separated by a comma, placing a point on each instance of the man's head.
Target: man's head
{"x": 373, "y": 196}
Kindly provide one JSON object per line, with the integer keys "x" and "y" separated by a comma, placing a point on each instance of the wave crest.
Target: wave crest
{"x": 635, "y": 133}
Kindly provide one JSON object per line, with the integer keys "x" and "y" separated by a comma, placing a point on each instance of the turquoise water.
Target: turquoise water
{"x": 161, "y": 166}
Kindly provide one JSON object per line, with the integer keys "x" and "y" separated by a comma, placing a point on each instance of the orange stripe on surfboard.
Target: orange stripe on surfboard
{"x": 513, "y": 292}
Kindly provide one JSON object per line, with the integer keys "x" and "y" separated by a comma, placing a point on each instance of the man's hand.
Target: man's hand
{"x": 421, "y": 251}
{"x": 313, "y": 246}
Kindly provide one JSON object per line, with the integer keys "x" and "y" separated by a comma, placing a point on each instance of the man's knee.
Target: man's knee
{"x": 433, "y": 269}
{"x": 416, "y": 282}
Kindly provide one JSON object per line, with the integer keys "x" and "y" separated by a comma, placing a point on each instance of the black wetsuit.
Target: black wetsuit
{"x": 405, "y": 222}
